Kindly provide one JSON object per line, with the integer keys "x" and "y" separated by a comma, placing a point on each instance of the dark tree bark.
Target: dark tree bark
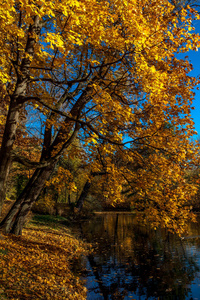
{"x": 14, "y": 221}
{"x": 16, "y": 102}
{"x": 16, "y": 217}
{"x": 56, "y": 202}
{"x": 86, "y": 188}
{"x": 84, "y": 193}
{"x": 53, "y": 145}
{"x": 6, "y": 147}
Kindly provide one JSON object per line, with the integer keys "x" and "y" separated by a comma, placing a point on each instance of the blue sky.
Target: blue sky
{"x": 194, "y": 57}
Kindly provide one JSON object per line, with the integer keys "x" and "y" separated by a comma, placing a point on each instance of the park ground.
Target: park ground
{"x": 41, "y": 263}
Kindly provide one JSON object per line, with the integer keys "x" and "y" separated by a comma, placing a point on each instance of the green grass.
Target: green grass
{"x": 49, "y": 220}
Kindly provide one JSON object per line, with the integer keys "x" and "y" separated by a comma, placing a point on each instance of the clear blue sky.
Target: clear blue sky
{"x": 194, "y": 57}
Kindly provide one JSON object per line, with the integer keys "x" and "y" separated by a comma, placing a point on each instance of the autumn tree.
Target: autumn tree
{"x": 66, "y": 181}
{"x": 96, "y": 70}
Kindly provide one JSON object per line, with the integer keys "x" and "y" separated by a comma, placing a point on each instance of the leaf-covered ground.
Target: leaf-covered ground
{"x": 38, "y": 264}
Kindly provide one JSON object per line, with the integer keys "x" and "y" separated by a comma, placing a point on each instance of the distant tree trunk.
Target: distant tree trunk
{"x": 56, "y": 202}
{"x": 84, "y": 193}
{"x": 69, "y": 199}
{"x": 15, "y": 219}
{"x": 86, "y": 188}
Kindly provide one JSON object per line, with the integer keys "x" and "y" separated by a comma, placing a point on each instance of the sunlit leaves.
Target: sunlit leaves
{"x": 39, "y": 265}
{"x": 108, "y": 70}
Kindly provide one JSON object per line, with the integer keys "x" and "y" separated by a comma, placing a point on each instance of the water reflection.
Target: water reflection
{"x": 134, "y": 262}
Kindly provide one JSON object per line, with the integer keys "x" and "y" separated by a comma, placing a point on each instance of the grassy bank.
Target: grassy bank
{"x": 38, "y": 265}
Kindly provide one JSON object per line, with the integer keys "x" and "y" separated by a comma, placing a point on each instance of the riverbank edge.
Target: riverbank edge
{"x": 39, "y": 264}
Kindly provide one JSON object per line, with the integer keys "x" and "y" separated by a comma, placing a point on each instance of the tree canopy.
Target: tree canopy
{"x": 106, "y": 73}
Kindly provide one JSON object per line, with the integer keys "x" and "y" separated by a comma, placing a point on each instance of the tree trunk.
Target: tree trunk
{"x": 16, "y": 102}
{"x": 56, "y": 195}
{"x": 15, "y": 219}
{"x": 83, "y": 195}
{"x": 86, "y": 188}
{"x": 6, "y": 147}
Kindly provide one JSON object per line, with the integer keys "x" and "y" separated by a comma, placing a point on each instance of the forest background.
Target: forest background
{"x": 96, "y": 109}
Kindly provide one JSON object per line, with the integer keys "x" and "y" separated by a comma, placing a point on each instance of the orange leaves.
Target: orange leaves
{"x": 37, "y": 266}
{"x": 142, "y": 26}
{"x": 108, "y": 70}
{"x": 62, "y": 178}
{"x": 162, "y": 194}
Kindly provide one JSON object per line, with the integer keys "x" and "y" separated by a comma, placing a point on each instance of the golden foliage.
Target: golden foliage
{"x": 38, "y": 265}
{"x": 109, "y": 70}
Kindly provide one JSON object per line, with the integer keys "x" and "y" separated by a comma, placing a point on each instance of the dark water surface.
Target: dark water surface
{"x": 132, "y": 261}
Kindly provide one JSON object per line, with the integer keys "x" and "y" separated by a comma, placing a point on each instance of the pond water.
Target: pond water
{"x": 132, "y": 261}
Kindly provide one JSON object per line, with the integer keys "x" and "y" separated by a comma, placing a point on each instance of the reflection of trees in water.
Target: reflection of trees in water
{"x": 132, "y": 259}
